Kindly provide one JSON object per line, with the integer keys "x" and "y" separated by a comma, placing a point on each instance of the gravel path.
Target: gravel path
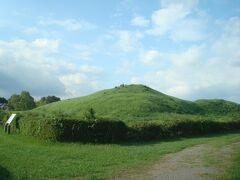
{"x": 188, "y": 164}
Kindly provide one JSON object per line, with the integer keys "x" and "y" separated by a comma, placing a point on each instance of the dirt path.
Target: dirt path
{"x": 188, "y": 164}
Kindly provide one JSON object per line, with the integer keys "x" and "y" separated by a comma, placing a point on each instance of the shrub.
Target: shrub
{"x": 59, "y": 128}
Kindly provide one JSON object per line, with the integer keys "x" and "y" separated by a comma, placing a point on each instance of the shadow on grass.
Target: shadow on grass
{"x": 174, "y": 139}
{"x": 4, "y": 174}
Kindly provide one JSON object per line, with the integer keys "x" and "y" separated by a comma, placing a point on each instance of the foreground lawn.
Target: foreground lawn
{"x": 24, "y": 157}
{"x": 233, "y": 172}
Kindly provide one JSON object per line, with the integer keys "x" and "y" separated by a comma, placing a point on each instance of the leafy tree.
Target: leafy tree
{"x": 14, "y": 102}
{"x": 47, "y": 100}
{"x": 24, "y": 101}
{"x": 3, "y": 100}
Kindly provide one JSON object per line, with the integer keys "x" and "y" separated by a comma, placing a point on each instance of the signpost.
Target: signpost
{"x": 8, "y": 123}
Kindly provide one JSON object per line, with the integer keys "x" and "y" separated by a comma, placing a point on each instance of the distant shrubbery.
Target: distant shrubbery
{"x": 23, "y": 101}
{"x": 47, "y": 100}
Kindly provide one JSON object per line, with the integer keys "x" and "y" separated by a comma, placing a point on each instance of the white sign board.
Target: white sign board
{"x": 11, "y": 119}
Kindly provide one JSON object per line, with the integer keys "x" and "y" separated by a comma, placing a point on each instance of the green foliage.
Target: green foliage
{"x": 89, "y": 114}
{"x": 47, "y": 100}
{"x": 157, "y": 131}
{"x": 59, "y": 127}
{"x": 24, "y": 101}
{"x": 3, "y": 100}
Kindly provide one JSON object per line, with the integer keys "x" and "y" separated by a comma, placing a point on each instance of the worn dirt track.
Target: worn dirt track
{"x": 187, "y": 164}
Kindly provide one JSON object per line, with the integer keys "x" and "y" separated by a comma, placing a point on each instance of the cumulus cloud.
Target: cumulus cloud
{"x": 201, "y": 71}
{"x": 46, "y": 44}
{"x": 140, "y": 21}
{"x": 33, "y": 66}
{"x": 86, "y": 81}
{"x": 24, "y": 67}
{"x": 175, "y": 18}
{"x": 127, "y": 41}
{"x": 151, "y": 57}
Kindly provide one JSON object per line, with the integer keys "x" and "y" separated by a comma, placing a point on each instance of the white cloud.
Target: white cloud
{"x": 69, "y": 24}
{"x": 191, "y": 56}
{"x": 151, "y": 57}
{"x": 25, "y": 67}
{"x": 84, "y": 52}
{"x": 125, "y": 67}
{"x": 209, "y": 70}
{"x": 33, "y": 66}
{"x": 188, "y": 4}
{"x": 127, "y": 41}
{"x": 190, "y": 29}
{"x": 51, "y": 45}
{"x": 140, "y": 21}
{"x": 80, "y": 83}
{"x": 180, "y": 19}
{"x": 90, "y": 69}
{"x": 158, "y": 59}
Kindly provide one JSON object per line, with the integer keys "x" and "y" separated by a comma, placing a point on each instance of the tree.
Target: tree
{"x": 14, "y": 102}
{"x": 27, "y": 101}
{"x": 24, "y": 101}
{"x": 3, "y": 100}
{"x": 47, "y": 100}
{"x": 3, "y": 103}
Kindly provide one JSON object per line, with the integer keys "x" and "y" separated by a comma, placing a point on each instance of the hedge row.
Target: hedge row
{"x": 151, "y": 131}
{"x": 105, "y": 131}
{"x": 58, "y": 129}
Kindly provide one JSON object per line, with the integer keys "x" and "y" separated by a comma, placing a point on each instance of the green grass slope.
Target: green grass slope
{"x": 124, "y": 102}
{"x": 218, "y": 106}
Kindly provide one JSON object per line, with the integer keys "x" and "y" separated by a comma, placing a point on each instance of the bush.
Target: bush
{"x": 154, "y": 131}
{"x": 59, "y": 128}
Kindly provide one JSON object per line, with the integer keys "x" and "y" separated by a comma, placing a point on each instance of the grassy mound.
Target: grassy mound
{"x": 124, "y": 102}
{"x": 218, "y": 106}
{"x": 127, "y": 112}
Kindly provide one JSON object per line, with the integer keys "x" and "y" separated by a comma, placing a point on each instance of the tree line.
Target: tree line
{"x": 24, "y": 101}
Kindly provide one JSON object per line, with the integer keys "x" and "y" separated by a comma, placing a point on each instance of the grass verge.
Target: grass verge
{"x": 28, "y": 158}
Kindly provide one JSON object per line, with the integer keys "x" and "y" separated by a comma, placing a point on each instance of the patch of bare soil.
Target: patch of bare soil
{"x": 188, "y": 164}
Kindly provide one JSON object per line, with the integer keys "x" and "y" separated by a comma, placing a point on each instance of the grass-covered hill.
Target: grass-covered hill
{"x": 130, "y": 102}
{"x": 124, "y": 102}
{"x": 218, "y": 106}
{"x": 127, "y": 112}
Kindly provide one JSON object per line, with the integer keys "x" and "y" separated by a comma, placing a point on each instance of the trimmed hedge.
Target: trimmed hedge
{"x": 153, "y": 131}
{"x": 109, "y": 131}
{"x": 92, "y": 131}
{"x": 61, "y": 129}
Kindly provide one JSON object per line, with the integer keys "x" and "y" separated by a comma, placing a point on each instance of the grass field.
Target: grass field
{"x": 233, "y": 172}
{"x": 24, "y": 157}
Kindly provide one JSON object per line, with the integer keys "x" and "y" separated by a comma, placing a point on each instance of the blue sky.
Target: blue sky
{"x": 188, "y": 48}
